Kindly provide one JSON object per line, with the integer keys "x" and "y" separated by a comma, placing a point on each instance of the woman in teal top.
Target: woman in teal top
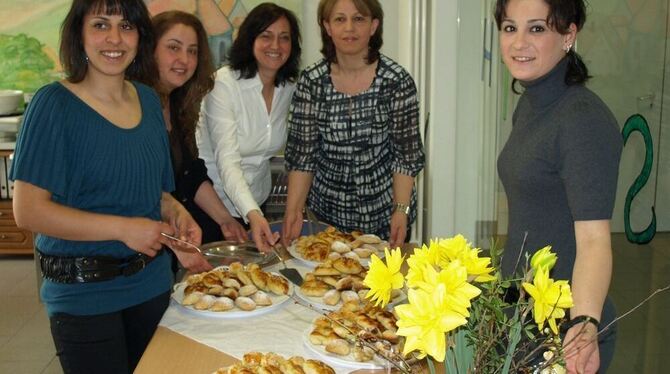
{"x": 92, "y": 178}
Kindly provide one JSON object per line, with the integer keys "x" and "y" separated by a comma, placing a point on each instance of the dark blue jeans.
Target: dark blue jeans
{"x": 106, "y": 343}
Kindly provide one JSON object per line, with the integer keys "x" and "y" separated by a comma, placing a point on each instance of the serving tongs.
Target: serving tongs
{"x": 185, "y": 246}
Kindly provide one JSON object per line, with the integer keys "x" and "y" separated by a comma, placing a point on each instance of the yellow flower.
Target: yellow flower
{"x": 550, "y": 298}
{"x": 425, "y": 320}
{"x": 458, "y": 248}
{"x": 382, "y": 278}
{"x": 454, "y": 278}
{"x": 422, "y": 257}
{"x": 543, "y": 258}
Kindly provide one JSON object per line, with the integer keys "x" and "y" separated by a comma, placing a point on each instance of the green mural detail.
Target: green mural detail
{"x": 634, "y": 123}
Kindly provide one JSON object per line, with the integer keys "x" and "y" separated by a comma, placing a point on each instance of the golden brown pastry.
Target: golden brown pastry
{"x": 277, "y": 285}
{"x": 314, "y": 288}
{"x": 247, "y": 290}
{"x": 316, "y": 367}
{"x": 252, "y": 358}
{"x": 230, "y": 292}
{"x": 338, "y": 346}
{"x": 362, "y": 354}
{"x": 349, "y": 295}
{"x": 347, "y": 265}
{"x": 331, "y": 297}
{"x": 231, "y": 283}
{"x": 260, "y": 279}
{"x": 192, "y": 298}
{"x": 244, "y": 277}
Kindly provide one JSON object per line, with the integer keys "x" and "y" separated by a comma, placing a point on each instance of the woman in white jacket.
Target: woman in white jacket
{"x": 244, "y": 117}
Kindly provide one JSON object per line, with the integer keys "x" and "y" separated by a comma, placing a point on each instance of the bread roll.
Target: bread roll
{"x": 316, "y": 367}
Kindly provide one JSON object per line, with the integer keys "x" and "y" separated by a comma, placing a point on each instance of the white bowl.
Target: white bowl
{"x": 10, "y": 101}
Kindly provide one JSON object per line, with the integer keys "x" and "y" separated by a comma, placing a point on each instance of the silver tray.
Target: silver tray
{"x": 227, "y": 252}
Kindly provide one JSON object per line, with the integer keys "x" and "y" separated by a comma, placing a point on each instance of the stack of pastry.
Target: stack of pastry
{"x": 344, "y": 331}
{"x": 337, "y": 280}
{"x": 272, "y": 363}
{"x": 222, "y": 289}
{"x": 332, "y": 244}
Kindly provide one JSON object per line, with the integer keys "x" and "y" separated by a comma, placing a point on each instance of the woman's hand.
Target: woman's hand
{"x": 144, "y": 235}
{"x": 193, "y": 262}
{"x": 183, "y": 225}
{"x": 581, "y": 349}
{"x": 398, "y": 229}
{"x": 232, "y": 230}
{"x": 260, "y": 231}
{"x": 291, "y": 227}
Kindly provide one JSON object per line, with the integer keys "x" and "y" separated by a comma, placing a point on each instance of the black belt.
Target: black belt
{"x": 91, "y": 269}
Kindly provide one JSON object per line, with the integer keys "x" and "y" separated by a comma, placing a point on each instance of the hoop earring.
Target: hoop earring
{"x": 567, "y": 48}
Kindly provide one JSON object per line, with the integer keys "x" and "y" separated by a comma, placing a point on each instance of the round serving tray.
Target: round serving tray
{"x": 227, "y": 252}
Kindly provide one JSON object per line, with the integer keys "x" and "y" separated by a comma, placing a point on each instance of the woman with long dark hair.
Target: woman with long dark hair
{"x": 244, "y": 117}
{"x": 92, "y": 178}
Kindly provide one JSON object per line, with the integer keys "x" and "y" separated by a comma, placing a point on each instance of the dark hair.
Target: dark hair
{"x": 369, "y": 8}
{"x": 241, "y": 54}
{"x": 185, "y": 100}
{"x": 562, "y": 13}
{"x": 72, "y": 54}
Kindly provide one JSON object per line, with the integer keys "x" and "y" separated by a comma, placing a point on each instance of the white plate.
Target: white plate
{"x": 346, "y": 361}
{"x": 294, "y": 252}
{"x": 317, "y": 301}
{"x": 277, "y": 302}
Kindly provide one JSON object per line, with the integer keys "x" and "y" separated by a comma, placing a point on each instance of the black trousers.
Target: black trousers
{"x": 106, "y": 343}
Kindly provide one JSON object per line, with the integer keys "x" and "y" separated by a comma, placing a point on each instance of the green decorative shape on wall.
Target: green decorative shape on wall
{"x": 634, "y": 123}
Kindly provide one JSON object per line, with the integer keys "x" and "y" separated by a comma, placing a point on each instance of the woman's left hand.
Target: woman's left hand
{"x": 581, "y": 349}
{"x": 233, "y": 230}
{"x": 398, "y": 229}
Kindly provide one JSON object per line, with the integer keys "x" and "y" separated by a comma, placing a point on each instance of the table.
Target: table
{"x": 173, "y": 349}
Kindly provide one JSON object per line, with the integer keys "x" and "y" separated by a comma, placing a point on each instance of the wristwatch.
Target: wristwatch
{"x": 401, "y": 207}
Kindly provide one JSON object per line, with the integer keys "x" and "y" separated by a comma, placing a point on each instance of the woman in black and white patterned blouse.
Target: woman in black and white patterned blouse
{"x": 354, "y": 146}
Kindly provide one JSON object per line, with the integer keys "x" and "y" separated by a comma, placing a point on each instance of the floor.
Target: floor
{"x": 642, "y": 346}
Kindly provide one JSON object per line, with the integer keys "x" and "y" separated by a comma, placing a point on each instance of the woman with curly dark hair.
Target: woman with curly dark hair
{"x": 186, "y": 75}
{"x": 244, "y": 117}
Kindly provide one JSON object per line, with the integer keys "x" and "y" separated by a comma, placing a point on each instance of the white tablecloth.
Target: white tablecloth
{"x": 281, "y": 331}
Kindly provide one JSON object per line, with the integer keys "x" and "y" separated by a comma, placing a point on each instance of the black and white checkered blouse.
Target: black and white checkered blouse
{"x": 354, "y": 144}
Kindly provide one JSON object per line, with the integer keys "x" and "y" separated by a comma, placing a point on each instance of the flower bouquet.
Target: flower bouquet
{"x": 463, "y": 313}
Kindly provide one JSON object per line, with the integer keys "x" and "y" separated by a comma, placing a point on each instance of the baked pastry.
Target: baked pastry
{"x": 247, "y": 290}
{"x": 245, "y": 303}
{"x": 331, "y": 297}
{"x": 277, "y": 285}
{"x": 272, "y": 363}
{"x": 347, "y": 265}
{"x": 314, "y": 288}
{"x": 261, "y": 298}
{"x": 205, "y": 302}
{"x": 222, "y": 304}
{"x": 338, "y": 346}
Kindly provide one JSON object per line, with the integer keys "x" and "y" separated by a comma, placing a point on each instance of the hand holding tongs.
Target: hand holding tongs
{"x": 192, "y": 246}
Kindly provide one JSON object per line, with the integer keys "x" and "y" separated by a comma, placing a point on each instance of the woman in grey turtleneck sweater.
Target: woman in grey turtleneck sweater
{"x": 560, "y": 165}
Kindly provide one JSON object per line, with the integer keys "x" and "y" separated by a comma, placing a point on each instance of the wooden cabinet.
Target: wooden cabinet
{"x": 12, "y": 239}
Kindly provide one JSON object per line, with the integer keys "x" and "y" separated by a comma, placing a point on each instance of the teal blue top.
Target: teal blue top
{"x": 88, "y": 163}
